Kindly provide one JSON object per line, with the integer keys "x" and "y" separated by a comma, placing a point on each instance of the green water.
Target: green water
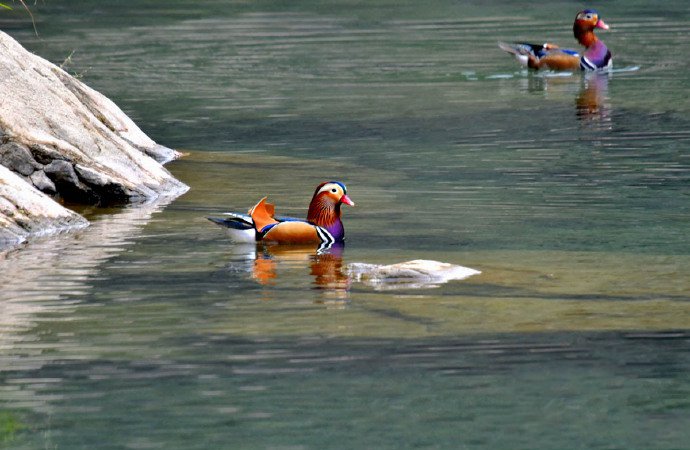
{"x": 151, "y": 330}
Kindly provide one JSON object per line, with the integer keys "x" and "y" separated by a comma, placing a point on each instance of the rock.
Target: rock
{"x": 45, "y": 154}
{"x": 25, "y": 211}
{"x": 41, "y": 181}
{"x": 69, "y": 185}
{"x": 18, "y": 158}
{"x": 60, "y": 118}
{"x": 115, "y": 120}
{"x": 418, "y": 273}
{"x": 65, "y": 138}
{"x": 160, "y": 153}
{"x": 62, "y": 172}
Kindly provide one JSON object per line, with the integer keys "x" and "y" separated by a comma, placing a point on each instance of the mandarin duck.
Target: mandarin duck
{"x": 322, "y": 226}
{"x": 549, "y": 56}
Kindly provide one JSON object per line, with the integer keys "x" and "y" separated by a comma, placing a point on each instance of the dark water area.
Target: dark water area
{"x": 570, "y": 193}
{"x": 488, "y": 392}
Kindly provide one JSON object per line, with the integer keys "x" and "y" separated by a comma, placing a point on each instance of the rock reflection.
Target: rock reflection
{"x": 53, "y": 273}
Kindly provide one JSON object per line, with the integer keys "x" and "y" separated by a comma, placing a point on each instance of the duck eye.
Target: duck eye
{"x": 334, "y": 190}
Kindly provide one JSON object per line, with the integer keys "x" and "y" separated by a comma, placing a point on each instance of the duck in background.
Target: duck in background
{"x": 549, "y": 56}
{"x": 323, "y": 225}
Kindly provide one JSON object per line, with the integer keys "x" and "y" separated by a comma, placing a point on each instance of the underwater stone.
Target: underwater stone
{"x": 418, "y": 273}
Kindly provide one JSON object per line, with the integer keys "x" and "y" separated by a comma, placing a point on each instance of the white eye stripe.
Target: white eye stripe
{"x": 329, "y": 187}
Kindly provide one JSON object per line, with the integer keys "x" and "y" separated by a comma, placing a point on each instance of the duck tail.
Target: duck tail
{"x": 524, "y": 48}
{"x": 523, "y": 52}
{"x": 262, "y": 214}
{"x": 513, "y": 49}
{"x": 235, "y": 221}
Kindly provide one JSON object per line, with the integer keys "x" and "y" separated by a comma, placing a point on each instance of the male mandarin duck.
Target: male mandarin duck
{"x": 322, "y": 226}
{"x": 549, "y": 56}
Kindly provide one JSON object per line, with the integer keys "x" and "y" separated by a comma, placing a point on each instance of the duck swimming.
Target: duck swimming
{"x": 323, "y": 224}
{"x": 550, "y": 56}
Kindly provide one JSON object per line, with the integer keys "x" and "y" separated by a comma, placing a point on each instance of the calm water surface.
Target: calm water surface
{"x": 151, "y": 330}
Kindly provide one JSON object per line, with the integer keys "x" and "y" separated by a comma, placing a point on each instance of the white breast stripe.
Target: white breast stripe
{"x": 325, "y": 236}
{"x": 586, "y": 64}
{"x": 323, "y": 248}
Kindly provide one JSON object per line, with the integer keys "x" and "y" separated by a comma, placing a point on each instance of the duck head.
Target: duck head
{"x": 324, "y": 209}
{"x": 585, "y": 23}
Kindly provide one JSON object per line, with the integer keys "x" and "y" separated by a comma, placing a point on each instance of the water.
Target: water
{"x": 151, "y": 330}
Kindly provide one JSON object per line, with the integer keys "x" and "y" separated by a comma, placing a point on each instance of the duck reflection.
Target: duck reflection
{"x": 326, "y": 266}
{"x": 324, "y": 263}
{"x": 592, "y": 104}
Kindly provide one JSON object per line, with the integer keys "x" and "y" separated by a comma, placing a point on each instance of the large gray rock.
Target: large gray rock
{"x": 60, "y": 136}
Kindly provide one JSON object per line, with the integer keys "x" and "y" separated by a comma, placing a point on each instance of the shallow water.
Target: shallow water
{"x": 151, "y": 330}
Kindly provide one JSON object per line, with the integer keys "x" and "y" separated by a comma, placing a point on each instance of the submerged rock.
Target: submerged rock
{"x": 61, "y": 137}
{"x": 410, "y": 274}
